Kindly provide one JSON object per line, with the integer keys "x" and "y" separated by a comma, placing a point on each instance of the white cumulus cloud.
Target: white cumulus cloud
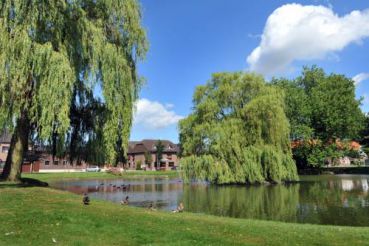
{"x": 296, "y": 32}
{"x": 154, "y": 115}
{"x": 360, "y": 78}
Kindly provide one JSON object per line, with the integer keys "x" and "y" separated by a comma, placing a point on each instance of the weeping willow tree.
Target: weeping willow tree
{"x": 49, "y": 50}
{"x": 237, "y": 133}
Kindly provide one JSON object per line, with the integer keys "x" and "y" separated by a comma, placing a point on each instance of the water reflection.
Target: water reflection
{"x": 162, "y": 193}
{"x": 262, "y": 202}
{"x": 340, "y": 200}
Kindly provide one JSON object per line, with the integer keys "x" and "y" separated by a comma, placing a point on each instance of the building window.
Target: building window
{"x": 169, "y": 156}
{"x": 47, "y": 163}
{"x": 56, "y": 163}
{"x": 5, "y": 149}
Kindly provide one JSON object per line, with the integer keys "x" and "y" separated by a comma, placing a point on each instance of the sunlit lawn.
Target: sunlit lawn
{"x": 39, "y": 216}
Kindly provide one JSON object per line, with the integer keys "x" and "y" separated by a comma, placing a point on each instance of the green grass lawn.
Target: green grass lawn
{"x": 50, "y": 177}
{"x": 36, "y": 216}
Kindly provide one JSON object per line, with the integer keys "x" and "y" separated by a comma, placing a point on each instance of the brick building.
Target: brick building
{"x": 38, "y": 160}
{"x": 139, "y": 150}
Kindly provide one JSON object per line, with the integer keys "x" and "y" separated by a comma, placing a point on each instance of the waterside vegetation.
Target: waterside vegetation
{"x": 237, "y": 133}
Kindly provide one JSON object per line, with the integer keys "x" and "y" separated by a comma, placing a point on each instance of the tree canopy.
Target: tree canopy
{"x": 237, "y": 133}
{"x": 321, "y": 106}
{"x": 297, "y": 108}
{"x": 51, "y": 50}
{"x": 322, "y": 109}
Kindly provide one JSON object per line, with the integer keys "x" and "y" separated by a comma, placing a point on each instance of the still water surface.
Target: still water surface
{"x": 338, "y": 200}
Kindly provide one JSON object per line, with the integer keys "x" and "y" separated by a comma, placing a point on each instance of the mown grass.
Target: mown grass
{"x": 37, "y": 216}
{"x": 50, "y": 177}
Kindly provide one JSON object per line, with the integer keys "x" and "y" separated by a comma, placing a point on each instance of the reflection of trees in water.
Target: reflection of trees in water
{"x": 335, "y": 202}
{"x": 318, "y": 199}
{"x": 322, "y": 202}
{"x": 275, "y": 202}
{"x": 339, "y": 193}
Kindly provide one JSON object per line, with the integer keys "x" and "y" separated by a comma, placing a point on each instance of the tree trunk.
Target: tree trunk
{"x": 18, "y": 149}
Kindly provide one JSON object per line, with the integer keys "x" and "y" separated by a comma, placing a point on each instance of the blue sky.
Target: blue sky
{"x": 191, "y": 39}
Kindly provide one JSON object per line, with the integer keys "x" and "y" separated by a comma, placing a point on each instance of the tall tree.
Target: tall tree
{"x": 148, "y": 159}
{"x": 297, "y": 108}
{"x": 85, "y": 139}
{"x": 336, "y": 113}
{"x": 321, "y": 106}
{"x": 48, "y": 49}
{"x": 237, "y": 133}
{"x": 159, "y": 152}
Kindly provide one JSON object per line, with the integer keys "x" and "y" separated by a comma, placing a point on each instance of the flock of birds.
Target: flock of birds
{"x": 86, "y": 199}
{"x": 122, "y": 186}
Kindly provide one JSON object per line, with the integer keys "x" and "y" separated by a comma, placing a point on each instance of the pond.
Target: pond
{"x": 331, "y": 199}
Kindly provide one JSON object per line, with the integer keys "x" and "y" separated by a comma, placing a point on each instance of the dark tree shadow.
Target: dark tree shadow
{"x": 25, "y": 182}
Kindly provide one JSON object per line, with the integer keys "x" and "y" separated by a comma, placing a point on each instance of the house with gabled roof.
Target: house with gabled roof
{"x": 144, "y": 154}
{"x": 39, "y": 160}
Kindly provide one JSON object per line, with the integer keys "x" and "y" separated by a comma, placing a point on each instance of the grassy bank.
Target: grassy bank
{"x": 37, "y": 216}
{"x": 50, "y": 177}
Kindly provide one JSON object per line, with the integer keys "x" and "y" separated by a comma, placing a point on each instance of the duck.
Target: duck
{"x": 125, "y": 201}
{"x": 151, "y": 207}
{"x": 179, "y": 209}
{"x": 86, "y": 199}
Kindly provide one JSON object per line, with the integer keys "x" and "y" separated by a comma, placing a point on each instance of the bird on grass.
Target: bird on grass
{"x": 86, "y": 199}
{"x": 125, "y": 201}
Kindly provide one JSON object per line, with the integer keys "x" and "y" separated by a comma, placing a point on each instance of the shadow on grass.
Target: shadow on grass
{"x": 24, "y": 183}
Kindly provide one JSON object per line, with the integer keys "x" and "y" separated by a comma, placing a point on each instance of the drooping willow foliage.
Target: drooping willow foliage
{"x": 49, "y": 48}
{"x": 237, "y": 133}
